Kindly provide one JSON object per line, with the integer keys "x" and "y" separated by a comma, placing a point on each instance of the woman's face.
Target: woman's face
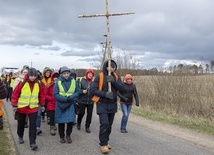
{"x": 129, "y": 81}
{"x": 90, "y": 75}
{"x": 32, "y": 78}
{"x": 66, "y": 75}
{"x": 47, "y": 73}
{"x": 25, "y": 72}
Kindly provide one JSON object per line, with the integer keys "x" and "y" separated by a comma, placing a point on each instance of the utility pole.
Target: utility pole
{"x": 31, "y": 63}
{"x": 107, "y": 15}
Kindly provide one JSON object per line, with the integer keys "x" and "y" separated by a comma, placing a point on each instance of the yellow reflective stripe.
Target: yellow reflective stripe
{"x": 70, "y": 90}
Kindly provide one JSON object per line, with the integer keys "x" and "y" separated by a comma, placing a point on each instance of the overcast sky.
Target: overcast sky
{"x": 160, "y": 33}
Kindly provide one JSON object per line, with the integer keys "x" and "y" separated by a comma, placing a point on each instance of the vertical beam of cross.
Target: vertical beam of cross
{"x": 107, "y": 15}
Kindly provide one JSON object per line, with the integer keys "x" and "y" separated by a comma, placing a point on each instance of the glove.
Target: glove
{"x": 109, "y": 95}
{"x": 69, "y": 99}
{"x": 42, "y": 108}
{"x": 110, "y": 78}
{"x": 14, "y": 108}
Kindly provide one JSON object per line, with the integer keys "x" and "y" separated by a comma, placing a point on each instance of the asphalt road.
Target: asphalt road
{"x": 140, "y": 140}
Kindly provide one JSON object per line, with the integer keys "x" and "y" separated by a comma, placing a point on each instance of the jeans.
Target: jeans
{"x": 126, "y": 109}
{"x": 38, "y": 120}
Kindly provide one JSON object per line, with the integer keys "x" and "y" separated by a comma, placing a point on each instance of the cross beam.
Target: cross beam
{"x": 107, "y": 15}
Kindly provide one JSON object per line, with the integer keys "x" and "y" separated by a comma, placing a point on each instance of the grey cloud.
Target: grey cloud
{"x": 167, "y": 29}
{"x": 55, "y": 48}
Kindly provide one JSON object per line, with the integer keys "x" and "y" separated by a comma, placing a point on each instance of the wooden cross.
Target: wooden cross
{"x": 107, "y": 15}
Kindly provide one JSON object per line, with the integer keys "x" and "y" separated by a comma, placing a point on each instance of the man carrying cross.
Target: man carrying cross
{"x": 105, "y": 87}
{"x": 106, "y": 101}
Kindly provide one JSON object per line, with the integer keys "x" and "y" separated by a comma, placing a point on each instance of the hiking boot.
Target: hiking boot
{"x": 21, "y": 141}
{"x": 38, "y": 131}
{"x": 123, "y": 131}
{"x": 33, "y": 147}
{"x": 104, "y": 149}
{"x": 78, "y": 126}
{"x": 68, "y": 138}
{"x": 87, "y": 130}
{"x": 52, "y": 131}
{"x": 62, "y": 140}
{"x": 109, "y": 146}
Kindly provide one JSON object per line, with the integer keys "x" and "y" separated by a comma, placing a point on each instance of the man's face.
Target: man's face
{"x": 111, "y": 69}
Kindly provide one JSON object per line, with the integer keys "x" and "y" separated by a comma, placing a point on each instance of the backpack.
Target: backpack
{"x": 100, "y": 86}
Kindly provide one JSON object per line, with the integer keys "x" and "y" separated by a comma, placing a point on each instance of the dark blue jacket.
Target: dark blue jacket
{"x": 106, "y": 105}
{"x": 84, "y": 98}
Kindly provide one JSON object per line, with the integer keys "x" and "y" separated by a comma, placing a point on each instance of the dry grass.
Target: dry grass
{"x": 191, "y": 96}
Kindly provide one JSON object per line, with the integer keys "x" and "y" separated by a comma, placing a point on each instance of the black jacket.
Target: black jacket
{"x": 126, "y": 95}
{"x": 84, "y": 98}
{"x": 3, "y": 90}
{"x": 106, "y": 105}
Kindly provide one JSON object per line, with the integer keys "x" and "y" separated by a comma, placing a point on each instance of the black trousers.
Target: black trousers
{"x": 106, "y": 121}
{"x": 32, "y": 126}
{"x": 61, "y": 129}
{"x": 51, "y": 115}
{"x": 89, "y": 108}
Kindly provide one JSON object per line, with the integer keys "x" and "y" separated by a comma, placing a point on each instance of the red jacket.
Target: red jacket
{"x": 17, "y": 91}
{"x": 51, "y": 101}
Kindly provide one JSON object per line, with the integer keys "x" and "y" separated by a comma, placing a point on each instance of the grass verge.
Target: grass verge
{"x": 4, "y": 140}
{"x": 200, "y": 125}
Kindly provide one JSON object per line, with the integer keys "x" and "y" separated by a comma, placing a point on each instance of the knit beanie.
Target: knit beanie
{"x": 64, "y": 69}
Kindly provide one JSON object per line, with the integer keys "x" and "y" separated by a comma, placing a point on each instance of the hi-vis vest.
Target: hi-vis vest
{"x": 12, "y": 83}
{"x": 70, "y": 90}
{"x": 1, "y": 106}
{"x": 46, "y": 82}
{"x": 28, "y": 98}
{"x": 100, "y": 86}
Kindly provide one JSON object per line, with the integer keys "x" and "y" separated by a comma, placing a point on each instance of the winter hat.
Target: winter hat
{"x": 64, "y": 69}
{"x": 89, "y": 79}
{"x": 89, "y": 71}
{"x": 32, "y": 72}
{"x": 128, "y": 76}
{"x": 55, "y": 75}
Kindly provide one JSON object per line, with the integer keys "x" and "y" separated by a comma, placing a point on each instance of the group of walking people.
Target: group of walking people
{"x": 63, "y": 97}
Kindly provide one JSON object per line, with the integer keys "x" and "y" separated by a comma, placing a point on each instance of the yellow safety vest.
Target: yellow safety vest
{"x": 28, "y": 98}
{"x": 70, "y": 90}
{"x": 12, "y": 83}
